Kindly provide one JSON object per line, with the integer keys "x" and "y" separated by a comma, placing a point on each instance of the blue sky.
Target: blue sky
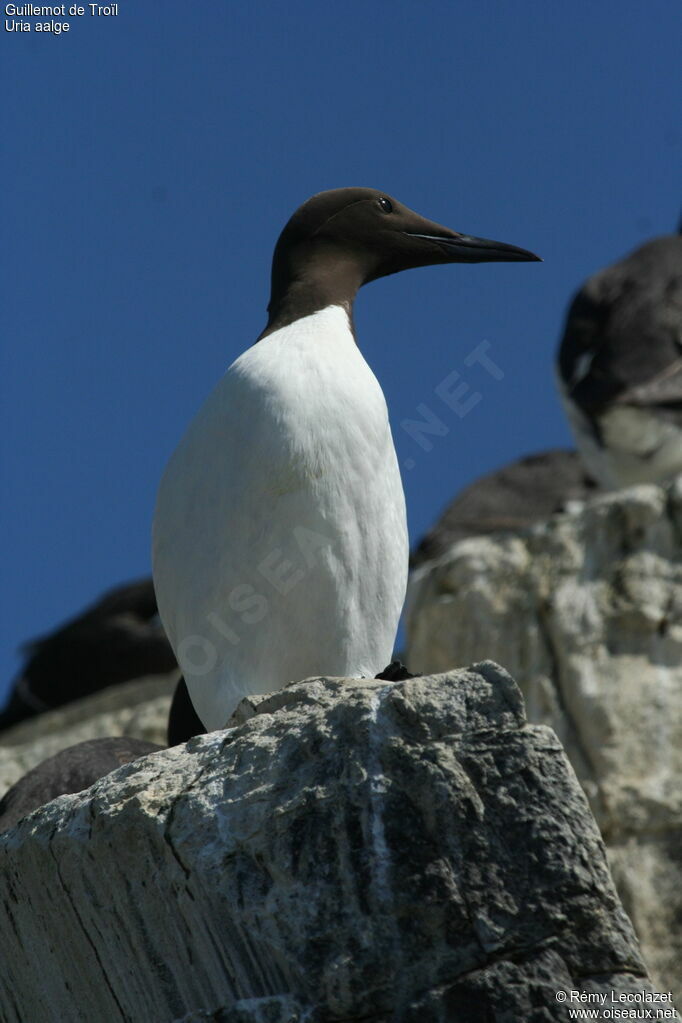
{"x": 150, "y": 161}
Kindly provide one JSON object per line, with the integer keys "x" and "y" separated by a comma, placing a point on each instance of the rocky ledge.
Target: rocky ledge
{"x": 348, "y": 850}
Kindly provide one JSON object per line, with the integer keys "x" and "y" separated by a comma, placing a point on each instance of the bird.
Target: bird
{"x": 115, "y": 639}
{"x": 619, "y": 367}
{"x": 514, "y": 497}
{"x": 280, "y": 545}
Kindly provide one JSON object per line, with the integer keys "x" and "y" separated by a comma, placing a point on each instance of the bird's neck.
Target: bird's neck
{"x": 310, "y": 289}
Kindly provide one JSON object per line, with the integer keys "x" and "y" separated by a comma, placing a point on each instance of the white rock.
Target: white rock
{"x": 586, "y": 612}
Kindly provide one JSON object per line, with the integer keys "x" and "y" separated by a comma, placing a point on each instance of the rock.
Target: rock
{"x": 136, "y": 709}
{"x": 349, "y": 849}
{"x": 250, "y": 1010}
{"x": 514, "y": 497}
{"x": 586, "y": 610}
{"x": 72, "y": 770}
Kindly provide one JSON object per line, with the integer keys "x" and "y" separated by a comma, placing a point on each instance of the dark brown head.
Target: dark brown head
{"x": 339, "y": 240}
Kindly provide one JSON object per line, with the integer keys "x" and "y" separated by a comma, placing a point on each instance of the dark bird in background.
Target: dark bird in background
{"x": 511, "y": 498}
{"x": 116, "y": 639}
{"x": 72, "y": 770}
{"x": 620, "y": 367}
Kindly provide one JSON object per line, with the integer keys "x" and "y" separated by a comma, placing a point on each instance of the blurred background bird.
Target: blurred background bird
{"x": 620, "y": 367}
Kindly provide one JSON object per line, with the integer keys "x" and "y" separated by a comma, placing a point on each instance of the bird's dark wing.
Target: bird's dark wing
{"x": 183, "y": 721}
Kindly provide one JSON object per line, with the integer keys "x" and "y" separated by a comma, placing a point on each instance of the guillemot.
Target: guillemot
{"x": 620, "y": 367}
{"x": 280, "y": 546}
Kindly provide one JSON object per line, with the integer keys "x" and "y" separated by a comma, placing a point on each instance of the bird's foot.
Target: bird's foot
{"x": 395, "y": 672}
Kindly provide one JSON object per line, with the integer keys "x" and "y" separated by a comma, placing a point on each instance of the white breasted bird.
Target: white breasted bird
{"x": 620, "y": 367}
{"x": 280, "y": 539}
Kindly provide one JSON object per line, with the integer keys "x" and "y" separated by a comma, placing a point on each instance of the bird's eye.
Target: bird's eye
{"x": 386, "y": 205}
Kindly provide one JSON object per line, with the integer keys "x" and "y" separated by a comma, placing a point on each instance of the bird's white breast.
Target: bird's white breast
{"x": 636, "y": 446}
{"x": 280, "y": 540}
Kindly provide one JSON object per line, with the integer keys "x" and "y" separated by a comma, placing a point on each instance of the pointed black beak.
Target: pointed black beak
{"x": 464, "y": 248}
